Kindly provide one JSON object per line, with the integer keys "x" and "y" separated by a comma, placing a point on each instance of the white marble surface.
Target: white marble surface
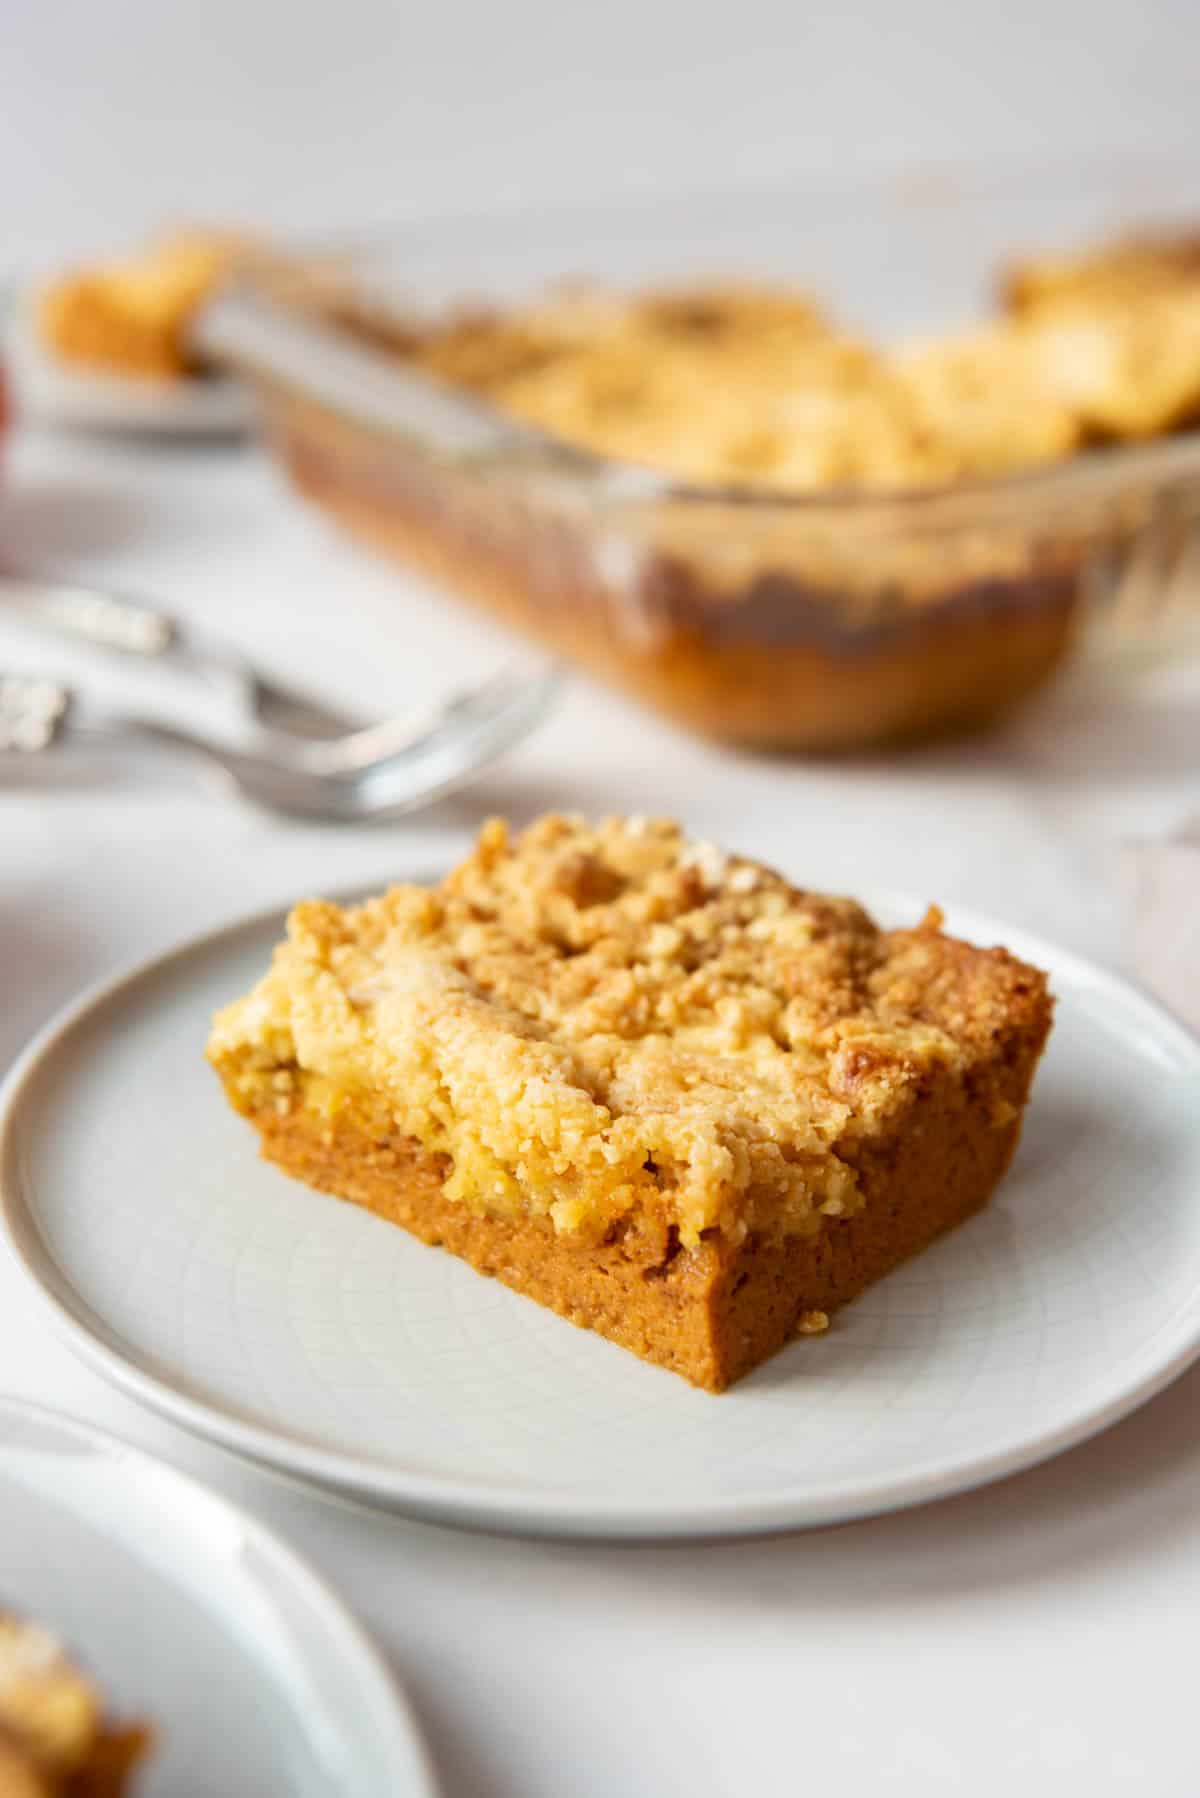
{"x": 1039, "y": 1635}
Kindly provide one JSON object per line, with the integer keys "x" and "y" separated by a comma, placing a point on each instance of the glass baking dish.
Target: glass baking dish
{"x": 815, "y": 622}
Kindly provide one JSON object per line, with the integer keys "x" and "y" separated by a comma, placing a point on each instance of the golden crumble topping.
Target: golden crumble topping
{"x": 821, "y": 412}
{"x": 716, "y": 384}
{"x": 1148, "y": 263}
{"x": 985, "y": 395}
{"x": 756, "y": 387}
{"x": 589, "y": 1020}
{"x": 1127, "y": 367}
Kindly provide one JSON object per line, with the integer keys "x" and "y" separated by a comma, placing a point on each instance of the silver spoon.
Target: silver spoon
{"x": 128, "y": 628}
{"x": 382, "y": 771}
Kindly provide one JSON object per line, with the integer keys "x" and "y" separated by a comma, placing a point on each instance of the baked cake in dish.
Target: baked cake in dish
{"x": 55, "y": 1738}
{"x": 763, "y": 523}
{"x": 650, "y": 1085}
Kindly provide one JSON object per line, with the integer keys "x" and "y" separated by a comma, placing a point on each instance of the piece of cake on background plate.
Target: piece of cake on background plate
{"x": 56, "y": 1738}
{"x": 655, "y": 1087}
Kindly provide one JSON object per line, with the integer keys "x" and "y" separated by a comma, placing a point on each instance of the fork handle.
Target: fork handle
{"x": 100, "y": 619}
{"x": 37, "y": 714}
{"x": 110, "y": 622}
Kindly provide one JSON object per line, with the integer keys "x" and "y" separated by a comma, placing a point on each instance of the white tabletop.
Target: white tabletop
{"x": 1038, "y": 1635}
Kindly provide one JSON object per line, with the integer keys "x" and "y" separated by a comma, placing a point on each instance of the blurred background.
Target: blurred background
{"x": 119, "y": 114}
{"x": 125, "y": 117}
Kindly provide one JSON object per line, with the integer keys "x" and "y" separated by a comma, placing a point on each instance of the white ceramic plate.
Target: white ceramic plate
{"x": 196, "y": 1619}
{"x": 310, "y": 1335}
{"x": 57, "y": 393}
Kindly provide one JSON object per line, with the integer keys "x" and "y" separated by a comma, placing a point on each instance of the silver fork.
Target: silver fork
{"x": 126, "y": 627}
{"x": 380, "y": 771}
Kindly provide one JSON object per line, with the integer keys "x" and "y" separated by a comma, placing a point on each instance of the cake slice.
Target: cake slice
{"x": 131, "y": 316}
{"x": 652, "y": 1086}
{"x": 55, "y": 1739}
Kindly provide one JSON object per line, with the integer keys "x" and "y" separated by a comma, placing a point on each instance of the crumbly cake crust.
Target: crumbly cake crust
{"x": 614, "y": 1043}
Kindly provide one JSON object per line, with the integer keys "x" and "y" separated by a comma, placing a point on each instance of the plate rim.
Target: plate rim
{"x": 489, "y": 1504}
{"x": 395, "y": 1720}
{"x": 104, "y": 401}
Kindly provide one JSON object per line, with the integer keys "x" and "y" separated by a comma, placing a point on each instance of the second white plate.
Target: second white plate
{"x": 310, "y": 1335}
{"x": 196, "y": 1620}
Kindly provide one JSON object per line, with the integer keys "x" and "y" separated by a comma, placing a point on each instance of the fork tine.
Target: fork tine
{"x": 443, "y": 760}
{"x": 408, "y": 738}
